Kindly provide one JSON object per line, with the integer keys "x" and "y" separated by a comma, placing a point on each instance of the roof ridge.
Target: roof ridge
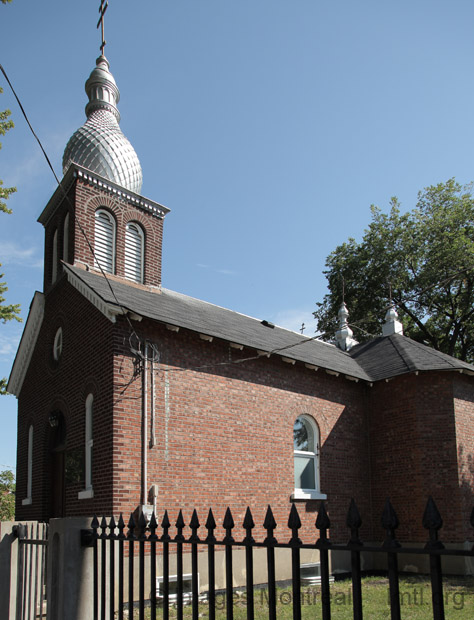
{"x": 402, "y": 352}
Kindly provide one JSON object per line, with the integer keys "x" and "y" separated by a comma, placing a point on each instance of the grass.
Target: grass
{"x": 415, "y": 599}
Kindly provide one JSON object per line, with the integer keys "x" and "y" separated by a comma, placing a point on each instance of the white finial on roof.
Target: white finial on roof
{"x": 344, "y": 339}
{"x": 392, "y": 325}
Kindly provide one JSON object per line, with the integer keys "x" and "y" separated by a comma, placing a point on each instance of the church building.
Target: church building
{"x": 133, "y": 397}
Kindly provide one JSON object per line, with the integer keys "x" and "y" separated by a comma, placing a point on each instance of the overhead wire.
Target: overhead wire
{"x": 123, "y": 310}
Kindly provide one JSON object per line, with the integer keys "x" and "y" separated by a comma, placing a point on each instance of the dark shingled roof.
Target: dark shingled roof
{"x": 389, "y": 356}
{"x": 381, "y": 358}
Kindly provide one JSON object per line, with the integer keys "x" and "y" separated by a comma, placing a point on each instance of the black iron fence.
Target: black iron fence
{"x": 31, "y": 571}
{"x": 136, "y": 544}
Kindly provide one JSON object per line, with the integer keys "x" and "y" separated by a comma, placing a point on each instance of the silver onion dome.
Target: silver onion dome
{"x": 99, "y": 145}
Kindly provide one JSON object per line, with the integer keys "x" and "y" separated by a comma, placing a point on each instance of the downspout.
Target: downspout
{"x": 152, "y": 403}
{"x": 144, "y": 496}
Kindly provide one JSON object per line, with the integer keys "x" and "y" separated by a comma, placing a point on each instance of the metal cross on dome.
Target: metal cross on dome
{"x": 102, "y": 9}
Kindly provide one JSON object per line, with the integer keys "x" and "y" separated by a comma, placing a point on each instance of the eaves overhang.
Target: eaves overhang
{"x": 27, "y": 345}
{"x": 114, "y": 189}
{"x": 110, "y": 311}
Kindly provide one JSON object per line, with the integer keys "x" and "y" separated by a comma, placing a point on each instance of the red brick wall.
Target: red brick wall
{"x": 225, "y": 434}
{"x": 464, "y": 416}
{"x": 85, "y": 366}
{"x": 86, "y": 200}
{"x": 413, "y": 452}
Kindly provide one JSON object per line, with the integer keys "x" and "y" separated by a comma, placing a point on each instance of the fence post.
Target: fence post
{"x": 323, "y": 524}
{"x": 353, "y": 523}
{"x": 432, "y": 522}
{"x": 390, "y": 523}
{"x": 70, "y": 571}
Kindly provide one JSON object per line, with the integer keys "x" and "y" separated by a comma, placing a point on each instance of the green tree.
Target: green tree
{"x": 423, "y": 260}
{"x": 7, "y": 495}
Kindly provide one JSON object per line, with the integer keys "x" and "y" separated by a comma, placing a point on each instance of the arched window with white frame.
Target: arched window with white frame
{"x": 29, "y": 479}
{"x": 306, "y": 458}
{"x": 88, "y": 491}
{"x": 134, "y": 242}
{"x": 104, "y": 244}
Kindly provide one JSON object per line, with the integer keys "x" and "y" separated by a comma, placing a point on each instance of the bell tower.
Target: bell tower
{"x": 98, "y": 219}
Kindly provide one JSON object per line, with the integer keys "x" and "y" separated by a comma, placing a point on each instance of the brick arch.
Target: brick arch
{"x": 90, "y": 386}
{"x": 133, "y": 215}
{"x": 102, "y": 201}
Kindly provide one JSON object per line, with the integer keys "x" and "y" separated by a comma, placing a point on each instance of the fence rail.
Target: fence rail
{"x": 31, "y": 571}
{"x": 141, "y": 540}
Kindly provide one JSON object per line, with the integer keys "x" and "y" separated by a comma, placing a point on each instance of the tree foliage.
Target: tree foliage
{"x": 9, "y": 311}
{"x": 5, "y": 125}
{"x": 7, "y": 495}
{"x": 423, "y": 259}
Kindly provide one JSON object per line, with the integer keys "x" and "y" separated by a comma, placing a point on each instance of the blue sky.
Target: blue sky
{"x": 268, "y": 127}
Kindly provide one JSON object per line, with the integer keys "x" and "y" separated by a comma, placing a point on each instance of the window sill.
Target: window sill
{"x": 27, "y": 501}
{"x": 300, "y": 494}
{"x": 87, "y": 494}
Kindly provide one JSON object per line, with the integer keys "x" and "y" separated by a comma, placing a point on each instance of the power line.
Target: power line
{"x": 124, "y": 312}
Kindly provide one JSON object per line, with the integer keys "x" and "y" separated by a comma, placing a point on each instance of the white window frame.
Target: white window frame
{"x": 29, "y": 480}
{"x": 66, "y": 239}
{"x": 54, "y": 266}
{"x": 88, "y": 491}
{"x": 108, "y": 264}
{"x": 315, "y": 493}
{"x": 140, "y": 268}
{"x": 58, "y": 345}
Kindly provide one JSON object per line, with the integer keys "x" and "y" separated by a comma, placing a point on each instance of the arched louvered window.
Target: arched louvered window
{"x": 134, "y": 252}
{"x": 104, "y": 246}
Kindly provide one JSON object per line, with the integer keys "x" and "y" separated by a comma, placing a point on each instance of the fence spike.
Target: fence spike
{"x": 180, "y": 526}
{"x": 228, "y": 524}
{"x": 269, "y": 524}
{"x": 142, "y": 523}
{"x": 103, "y": 527}
{"x": 153, "y": 525}
{"x": 322, "y": 520}
{"x": 121, "y": 527}
{"x": 210, "y": 526}
{"x": 354, "y": 522}
{"x": 432, "y": 522}
{"x": 95, "y": 524}
{"x": 322, "y": 524}
{"x": 390, "y": 523}
{"x": 294, "y": 523}
{"x": 165, "y": 525}
{"x": 194, "y": 525}
{"x": 112, "y": 526}
{"x": 131, "y": 528}
{"x": 248, "y": 525}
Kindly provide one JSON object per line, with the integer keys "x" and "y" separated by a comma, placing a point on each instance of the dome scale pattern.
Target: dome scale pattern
{"x": 99, "y": 145}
